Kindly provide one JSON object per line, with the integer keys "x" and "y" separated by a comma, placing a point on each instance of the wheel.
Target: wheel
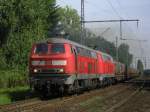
{"x": 61, "y": 90}
{"x": 76, "y": 87}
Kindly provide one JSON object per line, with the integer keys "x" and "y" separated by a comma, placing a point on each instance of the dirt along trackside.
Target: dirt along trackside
{"x": 139, "y": 103}
{"x": 119, "y": 99}
{"x": 131, "y": 100}
{"x": 73, "y": 103}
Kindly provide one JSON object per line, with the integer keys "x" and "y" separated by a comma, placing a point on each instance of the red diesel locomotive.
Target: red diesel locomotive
{"x": 60, "y": 65}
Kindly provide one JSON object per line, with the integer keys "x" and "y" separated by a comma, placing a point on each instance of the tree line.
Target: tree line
{"x": 23, "y": 22}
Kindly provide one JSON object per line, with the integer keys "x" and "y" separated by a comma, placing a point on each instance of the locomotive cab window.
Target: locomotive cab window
{"x": 41, "y": 48}
{"x": 73, "y": 50}
{"x": 57, "y": 48}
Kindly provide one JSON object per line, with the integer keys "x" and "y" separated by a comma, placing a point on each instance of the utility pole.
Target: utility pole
{"x": 117, "y": 58}
{"x": 120, "y": 30}
{"x": 145, "y": 63}
{"x": 82, "y": 22}
{"x": 120, "y": 21}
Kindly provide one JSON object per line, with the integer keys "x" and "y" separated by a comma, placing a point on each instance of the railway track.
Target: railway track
{"x": 19, "y": 104}
{"x": 30, "y": 104}
{"x": 126, "y": 100}
{"x": 34, "y": 105}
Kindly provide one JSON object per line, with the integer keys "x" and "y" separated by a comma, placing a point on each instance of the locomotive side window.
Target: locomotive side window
{"x": 78, "y": 50}
{"x": 84, "y": 52}
{"x": 107, "y": 58}
{"x": 111, "y": 59}
{"x": 88, "y": 53}
{"x": 41, "y": 48}
{"x": 73, "y": 50}
{"x": 57, "y": 48}
{"x": 104, "y": 57}
{"x": 93, "y": 54}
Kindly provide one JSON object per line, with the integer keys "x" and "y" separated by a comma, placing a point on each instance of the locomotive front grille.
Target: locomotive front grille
{"x": 52, "y": 70}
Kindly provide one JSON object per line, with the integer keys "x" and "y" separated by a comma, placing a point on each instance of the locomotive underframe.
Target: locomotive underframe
{"x": 69, "y": 83}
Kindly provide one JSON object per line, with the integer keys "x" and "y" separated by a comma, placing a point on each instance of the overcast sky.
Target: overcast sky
{"x": 119, "y": 9}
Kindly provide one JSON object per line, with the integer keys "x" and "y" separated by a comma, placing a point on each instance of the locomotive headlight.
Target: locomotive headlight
{"x": 35, "y": 70}
{"x": 38, "y": 62}
{"x": 61, "y": 70}
{"x": 59, "y": 62}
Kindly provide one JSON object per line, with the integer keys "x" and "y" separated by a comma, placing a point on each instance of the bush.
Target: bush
{"x": 2, "y": 62}
{"x": 12, "y": 78}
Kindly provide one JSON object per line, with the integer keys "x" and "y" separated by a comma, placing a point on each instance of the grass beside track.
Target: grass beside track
{"x": 13, "y": 85}
{"x": 9, "y": 95}
{"x": 12, "y": 78}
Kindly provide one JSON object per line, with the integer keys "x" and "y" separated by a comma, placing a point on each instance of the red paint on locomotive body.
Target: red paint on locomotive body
{"x": 62, "y": 62}
{"x": 105, "y": 64}
{"x": 86, "y": 65}
{"x": 58, "y": 64}
{"x": 72, "y": 59}
{"x": 100, "y": 64}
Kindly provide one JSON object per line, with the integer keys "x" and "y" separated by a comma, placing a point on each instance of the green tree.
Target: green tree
{"x": 124, "y": 55}
{"x": 70, "y": 23}
{"x": 140, "y": 66}
{"x": 23, "y": 22}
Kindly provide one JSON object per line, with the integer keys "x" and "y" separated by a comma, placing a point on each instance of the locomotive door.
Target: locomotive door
{"x": 76, "y": 58}
{"x": 76, "y": 81}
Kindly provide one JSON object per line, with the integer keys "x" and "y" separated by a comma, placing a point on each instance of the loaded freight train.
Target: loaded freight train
{"x": 60, "y": 65}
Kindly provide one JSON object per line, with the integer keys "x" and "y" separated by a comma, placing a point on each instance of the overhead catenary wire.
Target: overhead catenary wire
{"x": 133, "y": 32}
{"x": 113, "y": 8}
{"x": 118, "y": 2}
{"x": 97, "y": 7}
{"x": 118, "y": 14}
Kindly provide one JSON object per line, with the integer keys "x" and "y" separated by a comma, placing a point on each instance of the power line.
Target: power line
{"x": 129, "y": 27}
{"x": 118, "y": 13}
{"x": 122, "y": 20}
{"x": 118, "y": 2}
{"x": 95, "y": 6}
{"x": 113, "y": 8}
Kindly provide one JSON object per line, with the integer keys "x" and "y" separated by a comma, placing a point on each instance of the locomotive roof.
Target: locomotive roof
{"x": 62, "y": 40}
